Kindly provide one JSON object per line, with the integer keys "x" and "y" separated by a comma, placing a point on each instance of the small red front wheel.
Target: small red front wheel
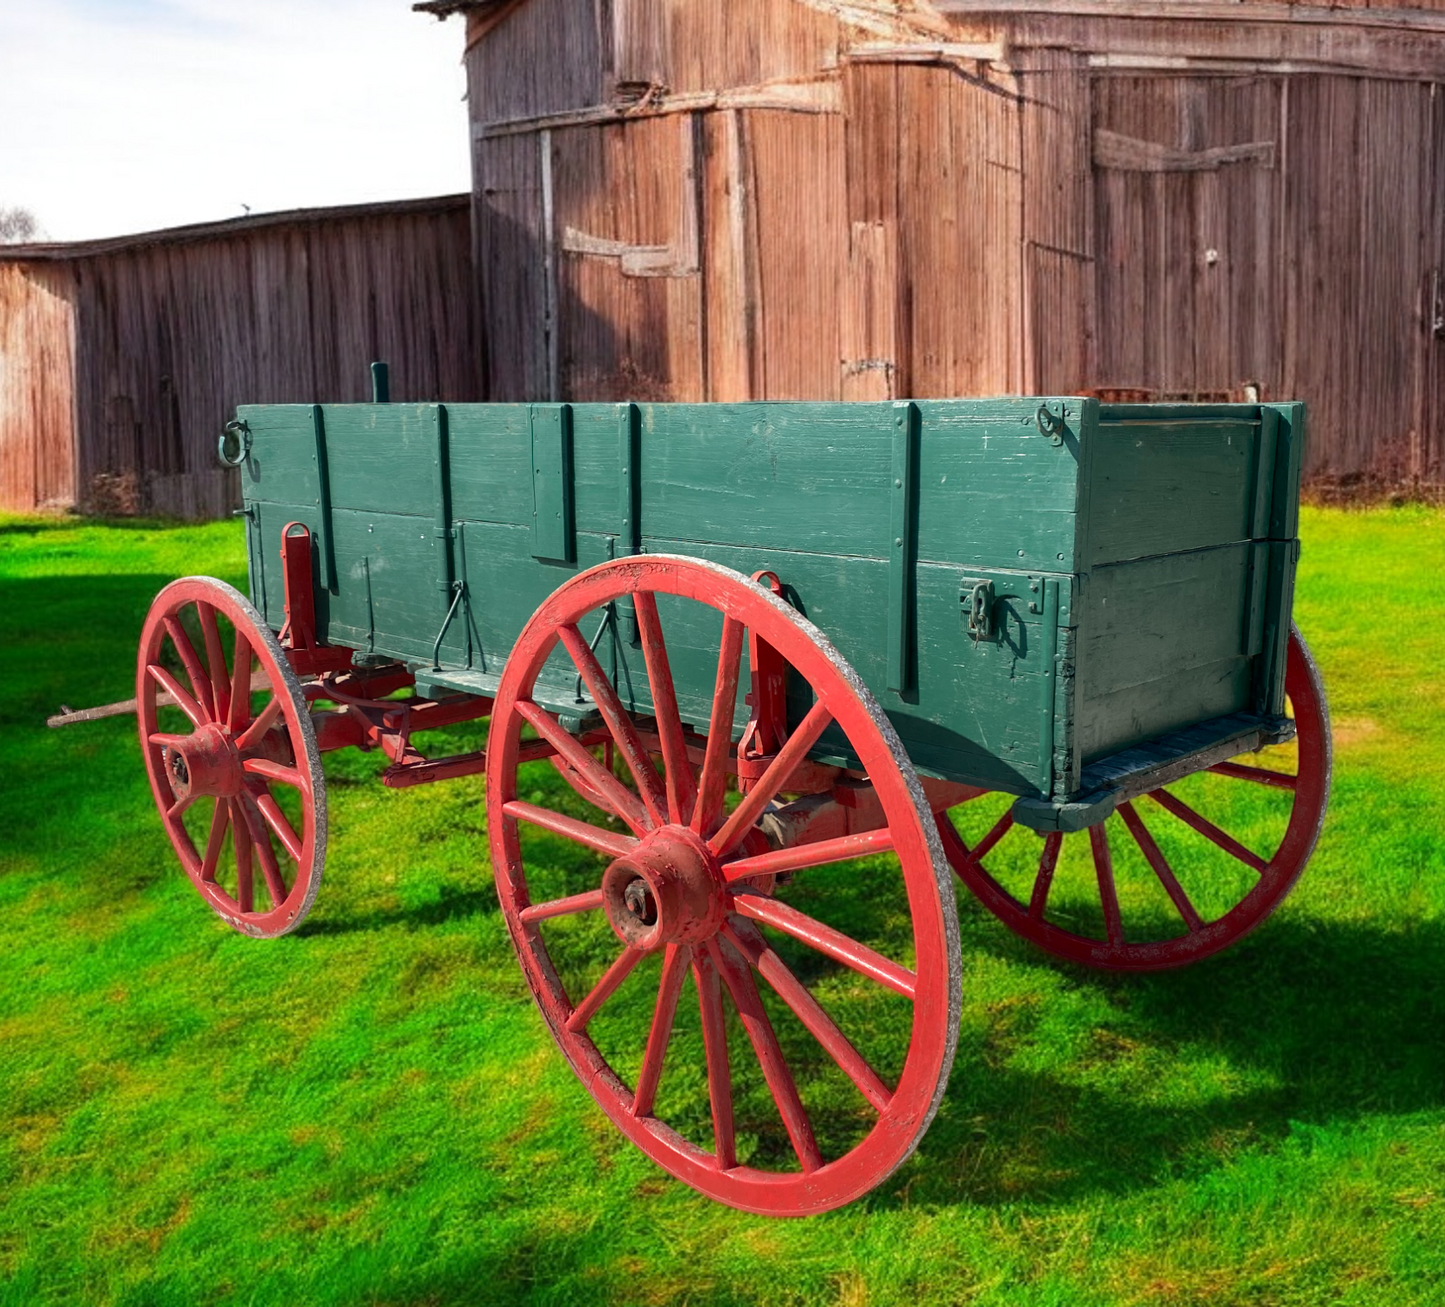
{"x": 231, "y": 754}
{"x": 1217, "y": 854}
{"x": 822, "y": 1031}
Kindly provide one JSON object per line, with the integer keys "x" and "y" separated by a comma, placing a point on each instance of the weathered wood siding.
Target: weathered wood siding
{"x": 174, "y": 330}
{"x": 37, "y": 343}
{"x": 1171, "y": 202}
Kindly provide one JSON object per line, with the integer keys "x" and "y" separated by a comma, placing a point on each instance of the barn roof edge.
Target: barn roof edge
{"x": 60, "y": 251}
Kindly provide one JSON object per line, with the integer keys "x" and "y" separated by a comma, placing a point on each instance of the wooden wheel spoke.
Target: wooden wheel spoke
{"x": 240, "y": 711}
{"x": 167, "y": 741}
{"x": 681, "y": 789}
{"x": 200, "y": 682}
{"x": 586, "y": 902}
{"x": 817, "y": 854}
{"x": 1154, "y": 855}
{"x": 261, "y": 846}
{"x": 999, "y": 829}
{"x": 594, "y": 837}
{"x": 1104, "y": 873}
{"x": 217, "y": 675}
{"x": 715, "y": 1048}
{"x": 604, "y": 989}
{"x": 273, "y": 771}
{"x": 772, "y": 780}
{"x": 669, "y": 988}
{"x": 252, "y": 736}
{"x": 827, "y": 941}
{"x": 712, "y": 783}
{"x": 1208, "y": 829}
{"x": 1048, "y": 860}
{"x": 184, "y": 702}
{"x": 739, "y": 981}
{"x": 1259, "y": 775}
{"x": 178, "y": 809}
{"x": 220, "y": 820}
{"x": 748, "y": 940}
{"x": 618, "y": 723}
{"x": 278, "y": 822}
{"x": 245, "y": 892}
{"x": 626, "y": 804}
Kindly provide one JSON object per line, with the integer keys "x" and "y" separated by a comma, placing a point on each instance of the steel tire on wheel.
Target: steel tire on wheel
{"x": 253, "y": 775}
{"x": 677, "y": 849}
{"x": 1297, "y": 822}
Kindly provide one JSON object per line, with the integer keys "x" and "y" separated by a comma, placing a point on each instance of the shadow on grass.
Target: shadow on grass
{"x": 34, "y": 526}
{"x": 1328, "y": 1022}
{"x": 452, "y": 905}
{"x": 70, "y": 639}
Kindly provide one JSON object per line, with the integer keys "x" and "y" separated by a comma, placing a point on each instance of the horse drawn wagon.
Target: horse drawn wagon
{"x": 787, "y": 671}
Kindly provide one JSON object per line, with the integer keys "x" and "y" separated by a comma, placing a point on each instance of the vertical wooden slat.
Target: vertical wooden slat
{"x": 1058, "y": 221}
{"x": 802, "y": 243}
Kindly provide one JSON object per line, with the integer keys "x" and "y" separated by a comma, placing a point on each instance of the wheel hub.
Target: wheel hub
{"x": 205, "y": 763}
{"x": 669, "y": 890}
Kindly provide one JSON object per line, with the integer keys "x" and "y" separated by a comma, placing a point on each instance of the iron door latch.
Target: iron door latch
{"x": 977, "y": 598}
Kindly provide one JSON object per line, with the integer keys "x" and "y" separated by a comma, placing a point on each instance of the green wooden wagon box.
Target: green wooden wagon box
{"x": 767, "y": 650}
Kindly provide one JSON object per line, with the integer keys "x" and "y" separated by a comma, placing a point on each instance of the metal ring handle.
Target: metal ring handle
{"x": 242, "y": 433}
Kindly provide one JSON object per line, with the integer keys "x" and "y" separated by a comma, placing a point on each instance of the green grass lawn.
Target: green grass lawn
{"x": 370, "y": 1110}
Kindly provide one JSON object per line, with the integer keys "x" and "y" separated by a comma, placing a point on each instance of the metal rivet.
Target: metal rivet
{"x": 1061, "y": 558}
{"x": 1021, "y": 553}
{"x": 899, "y": 542}
{"x": 897, "y": 483}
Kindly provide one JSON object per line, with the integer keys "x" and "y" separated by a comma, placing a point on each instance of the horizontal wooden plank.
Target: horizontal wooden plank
{"x": 815, "y": 478}
{"x": 1166, "y": 486}
{"x": 1132, "y": 714}
{"x": 1160, "y": 616}
{"x": 382, "y": 457}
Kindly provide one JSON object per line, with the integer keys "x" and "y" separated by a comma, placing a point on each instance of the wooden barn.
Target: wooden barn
{"x": 854, "y": 198}
{"x": 121, "y": 360}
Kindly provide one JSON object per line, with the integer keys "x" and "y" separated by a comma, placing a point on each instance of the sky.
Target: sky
{"x": 120, "y": 116}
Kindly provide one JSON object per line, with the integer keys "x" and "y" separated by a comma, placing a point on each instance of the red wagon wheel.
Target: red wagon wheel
{"x": 1197, "y": 882}
{"x": 667, "y": 880}
{"x": 239, "y": 787}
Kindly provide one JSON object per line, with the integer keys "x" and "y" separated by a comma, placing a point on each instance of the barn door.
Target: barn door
{"x": 1187, "y": 195}
{"x": 625, "y": 285}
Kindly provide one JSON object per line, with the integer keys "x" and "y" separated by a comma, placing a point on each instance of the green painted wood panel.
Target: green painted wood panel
{"x": 409, "y": 497}
{"x": 1159, "y": 487}
{"x": 383, "y": 456}
{"x": 1155, "y": 633}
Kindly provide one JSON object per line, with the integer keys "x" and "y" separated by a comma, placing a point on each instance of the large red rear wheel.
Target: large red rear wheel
{"x": 231, "y": 754}
{"x": 1218, "y": 854}
{"x": 785, "y": 1097}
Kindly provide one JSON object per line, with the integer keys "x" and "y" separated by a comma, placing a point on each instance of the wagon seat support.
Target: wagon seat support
{"x": 365, "y": 717}
{"x": 834, "y": 801}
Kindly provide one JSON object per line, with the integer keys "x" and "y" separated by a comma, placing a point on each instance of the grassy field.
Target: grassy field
{"x": 370, "y": 1111}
